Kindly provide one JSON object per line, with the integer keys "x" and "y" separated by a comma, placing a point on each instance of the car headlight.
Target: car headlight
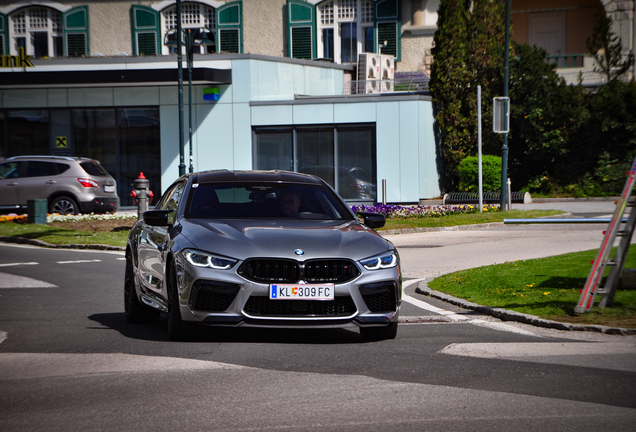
{"x": 383, "y": 261}
{"x": 203, "y": 259}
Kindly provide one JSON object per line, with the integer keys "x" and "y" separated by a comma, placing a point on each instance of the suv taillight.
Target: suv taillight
{"x": 87, "y": 182}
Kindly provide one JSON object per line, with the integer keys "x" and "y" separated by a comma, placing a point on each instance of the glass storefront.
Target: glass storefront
{"x": 125, "y": 140}
{"x": 344, "y": 155}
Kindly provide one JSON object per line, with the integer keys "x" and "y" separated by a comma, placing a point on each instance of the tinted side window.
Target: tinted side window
{"x": 9, "y": 170}
{"x": 172, "y": 199}
{"x": 94, "y": 169}
{"x": 41, "y": 169}
{"x": 62, "y": 167}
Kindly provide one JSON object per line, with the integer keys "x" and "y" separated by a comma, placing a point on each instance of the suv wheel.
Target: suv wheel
{"x": 64, "y": 205}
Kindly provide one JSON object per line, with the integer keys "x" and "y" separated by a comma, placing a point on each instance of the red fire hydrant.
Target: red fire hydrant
{"x": 142, "y": 195}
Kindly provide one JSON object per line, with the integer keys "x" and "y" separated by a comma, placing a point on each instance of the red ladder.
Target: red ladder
{"x": 603, "y": 260}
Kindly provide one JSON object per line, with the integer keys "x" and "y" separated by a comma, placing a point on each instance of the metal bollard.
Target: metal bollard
{"x": 142, "y": 194}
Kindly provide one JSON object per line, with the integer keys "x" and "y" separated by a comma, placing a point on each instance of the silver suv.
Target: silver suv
{"x": 70, "y": 184}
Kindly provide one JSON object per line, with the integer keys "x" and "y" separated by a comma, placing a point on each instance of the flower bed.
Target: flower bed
{"x": 400, "y": 212}
{"x": 12, "y": 217}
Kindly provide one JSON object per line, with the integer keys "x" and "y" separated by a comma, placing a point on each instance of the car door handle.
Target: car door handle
{"x": 51, "y": 182}
{"x": 12, "y": 184}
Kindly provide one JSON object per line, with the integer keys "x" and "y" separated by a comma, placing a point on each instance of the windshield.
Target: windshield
{"x": 265, "y": 201}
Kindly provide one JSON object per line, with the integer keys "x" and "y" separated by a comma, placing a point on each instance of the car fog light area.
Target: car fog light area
{"x": 386, "y": 260}
{"x": 204, "y": 259}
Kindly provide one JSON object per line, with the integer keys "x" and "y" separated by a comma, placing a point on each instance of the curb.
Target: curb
{"x": 449, "y": 228}
{"x": 508, "y": 315}
{"x": 564, "y": 215}
{"x": 33, "y": 242}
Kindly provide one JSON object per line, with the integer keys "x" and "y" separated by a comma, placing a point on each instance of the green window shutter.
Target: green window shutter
{"x": 388, "y": 26}
{"x": 229, "y": 27}
{"x": 145, "y": 29}
{"x": 301, "y": 29}
{"x": 4, "y": 35}
{"x": 75, "y": 23}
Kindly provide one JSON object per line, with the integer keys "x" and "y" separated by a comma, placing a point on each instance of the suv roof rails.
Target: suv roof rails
{"x": 68, "y": 158}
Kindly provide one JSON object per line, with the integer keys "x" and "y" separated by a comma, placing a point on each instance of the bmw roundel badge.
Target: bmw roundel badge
{"x": 299, "y": 252}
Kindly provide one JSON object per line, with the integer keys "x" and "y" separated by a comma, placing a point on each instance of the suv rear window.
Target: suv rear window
{"x": 63, "y": 167}
{"x": 94, "y": 168}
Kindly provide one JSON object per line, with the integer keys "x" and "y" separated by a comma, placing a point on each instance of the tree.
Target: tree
{"x": 468, "y": 51}
{"x": 607, "y": 48}
{"x": 448, "y": 83}
{"x": 546, "y": 114}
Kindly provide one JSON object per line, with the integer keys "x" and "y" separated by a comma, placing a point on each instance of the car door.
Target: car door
{"x": 39, "y": 182}
{"x": 9, "y": 182}
{"x": 154, "y": 242}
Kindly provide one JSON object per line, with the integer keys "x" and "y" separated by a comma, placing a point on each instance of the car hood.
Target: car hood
{"x": 241, "y": 239}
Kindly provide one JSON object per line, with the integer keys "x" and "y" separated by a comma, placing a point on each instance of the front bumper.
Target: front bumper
{"x": 223, "y": 298}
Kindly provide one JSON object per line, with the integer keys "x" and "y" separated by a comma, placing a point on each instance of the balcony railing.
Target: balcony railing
{"x": 408, "y": 85}
{"x": 567, "y": 60}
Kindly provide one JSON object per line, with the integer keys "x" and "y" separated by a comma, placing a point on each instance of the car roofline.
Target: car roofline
{"x": 246, "y": 176}
{"x": 67, "y": 158}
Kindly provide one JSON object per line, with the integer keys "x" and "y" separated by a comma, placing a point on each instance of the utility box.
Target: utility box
{"x": 36, "y": 211}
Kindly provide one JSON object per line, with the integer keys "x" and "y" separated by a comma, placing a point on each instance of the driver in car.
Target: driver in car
{"x": 289, "y": 203}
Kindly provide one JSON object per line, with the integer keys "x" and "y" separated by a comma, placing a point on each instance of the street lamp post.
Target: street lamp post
{"x": 504, "y": 149}
{"x": 191, "y": 39}
{"x": 180, "y": 95}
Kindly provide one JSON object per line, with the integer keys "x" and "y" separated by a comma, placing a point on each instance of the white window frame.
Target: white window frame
{"x": 53, "y": 27}
{"x": 362, "y": 21}
{"x": 200, "y": 22}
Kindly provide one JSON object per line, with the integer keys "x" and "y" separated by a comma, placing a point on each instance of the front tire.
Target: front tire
{"x": 371, "y": 334}
{"x": 135, "y": 312}
{"x": 64, "y": 205}
{"x": 178, "y": 330}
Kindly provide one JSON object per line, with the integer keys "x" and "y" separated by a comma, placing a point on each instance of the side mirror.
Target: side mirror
{"x": 156, "y": 217}
{"x": 373, "y": 220}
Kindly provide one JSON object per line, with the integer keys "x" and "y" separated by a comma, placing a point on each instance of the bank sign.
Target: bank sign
{"x": 19, "y": 61}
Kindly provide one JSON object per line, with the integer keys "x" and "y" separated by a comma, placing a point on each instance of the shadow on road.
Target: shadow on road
{"x": 159, "y": 332}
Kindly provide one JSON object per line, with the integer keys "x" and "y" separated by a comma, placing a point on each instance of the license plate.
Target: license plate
{"x": 301, "y": 292}
{"x": 109, "y": 188}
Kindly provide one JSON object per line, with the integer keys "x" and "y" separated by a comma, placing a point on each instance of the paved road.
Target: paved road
{"x": 69, "y": 361}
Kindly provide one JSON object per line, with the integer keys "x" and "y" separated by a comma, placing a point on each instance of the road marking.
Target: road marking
{"x": 121, "y": 259}
{"x": 3, "y": 336}
{"x": 423, "y": 305}
{"x": 601, "y": 355}
{"x": 78, "y": 261}
{"x": 35, "y": 365}
{"x": 17, "y": 264}
{"x": 8, "y": 280}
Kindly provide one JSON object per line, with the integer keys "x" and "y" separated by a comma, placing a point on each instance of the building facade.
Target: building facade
{"x": 277, "y": 84}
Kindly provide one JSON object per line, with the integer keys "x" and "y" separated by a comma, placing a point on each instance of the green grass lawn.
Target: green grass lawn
{"x": 546, "y": 287}
{"x": 466, "y": 219}
{"x": 55, "y": 235}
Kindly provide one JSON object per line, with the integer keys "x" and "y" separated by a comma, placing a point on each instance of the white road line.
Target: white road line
{"x": 423, "y": 305}
{"x": 602, "y": 355}
{"x": 17, "y": 264}
{"x": 3, "y": 336}
{"x": 121, "y": 259}
{"x": 78, "y": 261}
